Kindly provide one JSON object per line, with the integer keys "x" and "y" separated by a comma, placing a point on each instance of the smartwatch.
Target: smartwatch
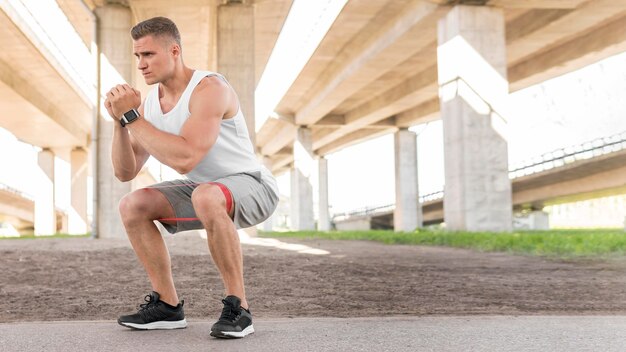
{"x": 129, "y": 117}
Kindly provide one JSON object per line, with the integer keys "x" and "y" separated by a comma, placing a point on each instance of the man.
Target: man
{"x": 192, "y": 122}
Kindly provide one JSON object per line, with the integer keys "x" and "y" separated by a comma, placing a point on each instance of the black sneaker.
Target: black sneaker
{"x": 235, "y": 322}
{"x": 155, "y": 314}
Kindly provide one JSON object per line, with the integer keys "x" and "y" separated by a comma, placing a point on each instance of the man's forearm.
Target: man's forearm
{"x": 122, "y": 155}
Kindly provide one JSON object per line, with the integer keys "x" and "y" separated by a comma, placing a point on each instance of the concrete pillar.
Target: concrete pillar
{"x": 301, "y": 188}
{"x": 534, "y": 220}
{"x": 539, "y": 220}
{"x": 268, "y": 224}
{"x": 78, "y": 210}
{"x": 115, "y": 47}
{"x": 323, "y": 221}
{"x": 407, "y": 216}
{"x": 235, "y": 54}
{"x": 45, "y": 215}
{"x": 472, "y": 86}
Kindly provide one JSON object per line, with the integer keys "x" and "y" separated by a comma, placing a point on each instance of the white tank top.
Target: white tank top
{"x": 232, "y": 152}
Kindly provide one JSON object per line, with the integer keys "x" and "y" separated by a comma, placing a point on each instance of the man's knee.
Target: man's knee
{"x": 208, "y": 199}
{"x": 137, "y": 205}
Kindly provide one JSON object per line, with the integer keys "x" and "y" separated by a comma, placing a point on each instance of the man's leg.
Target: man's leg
{"x": 138, "y": 210}
{"x": 209, "y": 203}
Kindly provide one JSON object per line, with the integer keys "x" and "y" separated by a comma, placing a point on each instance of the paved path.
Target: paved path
{"x": 472, "y": 333}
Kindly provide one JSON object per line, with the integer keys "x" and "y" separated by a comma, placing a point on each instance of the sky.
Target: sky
{"x": 564, "y": 111}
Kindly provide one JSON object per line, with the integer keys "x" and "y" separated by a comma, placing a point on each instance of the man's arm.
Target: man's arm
{"x": 208, "y": 104}
{"x": 127, "y": 155}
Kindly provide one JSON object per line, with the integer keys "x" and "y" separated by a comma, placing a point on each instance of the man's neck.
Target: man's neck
{"x": 174, "y": 86}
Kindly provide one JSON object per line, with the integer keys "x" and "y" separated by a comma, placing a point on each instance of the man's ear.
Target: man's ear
{"x": 175, "y": 50}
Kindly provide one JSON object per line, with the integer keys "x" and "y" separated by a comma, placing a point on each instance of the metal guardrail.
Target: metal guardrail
{"x": 19, "y": 193}
{"x": 547, "y": 161}
{"x": 16, "y": 192}
{"x": 366, "y": 211}
{"x": 568, "y": 155}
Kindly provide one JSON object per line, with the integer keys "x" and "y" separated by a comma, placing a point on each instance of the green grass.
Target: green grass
{"x": 559, "y": 243}
{"x": 33, "y": 237}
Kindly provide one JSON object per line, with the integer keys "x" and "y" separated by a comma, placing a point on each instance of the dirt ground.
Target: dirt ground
{"x": 84, "y": 279}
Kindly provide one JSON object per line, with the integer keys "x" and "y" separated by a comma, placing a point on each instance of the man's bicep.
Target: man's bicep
{"x": 207, "y": 108}
{"x": 200, "y": 131}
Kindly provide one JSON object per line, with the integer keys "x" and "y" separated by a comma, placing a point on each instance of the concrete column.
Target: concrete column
{"x": 268, "y": 224}
{"x": 78, "y": 209}
{"x": 45, "y": 215}
{"x": 407, "y": 215}
{"x": 115, "y": 46}
{"x": 301, "y": 188}
{"x": 539, "y": 220}
{"x": 472, "y": 86}
{"x": 235, "y": 54}
{"x": 323, "y": 222}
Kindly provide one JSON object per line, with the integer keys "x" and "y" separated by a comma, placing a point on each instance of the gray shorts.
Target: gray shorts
{"x": 253, "y": 199}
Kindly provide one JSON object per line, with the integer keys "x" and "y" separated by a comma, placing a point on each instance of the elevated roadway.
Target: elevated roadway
{"x": 375, "y": 71}
{"x": 18, "y": 209}
{"x": 590, "y": 170}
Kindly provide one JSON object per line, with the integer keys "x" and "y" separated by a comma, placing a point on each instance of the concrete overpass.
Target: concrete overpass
{"x": 375, "y": 71}
{"x": 18, "y": 209}
{"x": 387, "y": 65}
{"x": 383, "y": 66}
{"x": 590, "y": 170}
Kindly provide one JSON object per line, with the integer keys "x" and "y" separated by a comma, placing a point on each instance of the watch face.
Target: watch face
{"x": 130, "y": 115}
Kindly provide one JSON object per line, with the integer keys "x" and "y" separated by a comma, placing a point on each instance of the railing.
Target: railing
{"x": 547, "y": 161}
{"x": 568, "y": 155}
{"x": 368, "y": 211}
{"x": 29, "y": 197}
{"x": 16, "y": 192}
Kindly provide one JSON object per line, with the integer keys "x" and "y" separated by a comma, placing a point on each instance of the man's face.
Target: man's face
{"x": 155, "y": 58}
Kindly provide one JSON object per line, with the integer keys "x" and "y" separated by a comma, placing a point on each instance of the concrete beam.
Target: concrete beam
{"x": 353, "y": 19}
{"x": 331, "y": 121}
{"x": 271, "y": 129}
{"x": 536, "y": 4}
{"x": 413, "y": 91}
{"x": 76, "y": 132}
{"x": 284, "y": 162}
{"x": 15, "y": 205}
{"x": 602, "y": 42}
{"x": 563, "y": 28}
{"x": 532, "y": 21}
{"x": 592, "y": 184}
{"x": 353, "y": 138}
{"x": 283, "y": 136}
{"x": 423, "y": 113}
{"x": 378, "y": 48}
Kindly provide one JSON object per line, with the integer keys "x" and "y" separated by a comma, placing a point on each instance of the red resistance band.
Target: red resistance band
{"x": 227, "y": 195}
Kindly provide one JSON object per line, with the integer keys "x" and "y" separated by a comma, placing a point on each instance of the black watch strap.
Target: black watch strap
{"x": 129, "y": 117}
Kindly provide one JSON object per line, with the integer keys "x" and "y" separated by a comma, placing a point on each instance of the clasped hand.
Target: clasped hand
{"x": 120, "y": 99}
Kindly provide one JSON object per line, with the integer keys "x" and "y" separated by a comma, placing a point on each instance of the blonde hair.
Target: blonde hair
{"x": 158, "y": 27}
